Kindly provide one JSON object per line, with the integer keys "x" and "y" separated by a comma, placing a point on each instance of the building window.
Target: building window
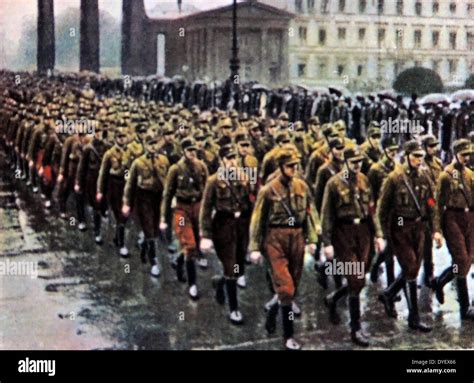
{"x": 470, "y": 41}
{"x": 435, "y": 7}
{"x": 341, "y": 33}
{"x": 381, "y": 35}
{"x": 452, "y": 40}
{"x": 301, "y": 70}
{"x": 435, "y": 38}
{"x": 324, "y": 6}
{"x": 399, "y": 38}
{"x": 322, "y": 36}
{"x": 360, "y": 70}
{"x": 453, "y": 66}
{"x": 418, "y": 8}
{"x": 322, "y": 70}
{"x": 417, "y": 38}
{"x": 302, "y": 32}
{"x": 310, "y": 5}
{"x": 342, "y": 5}
{"x": 340, "y": 69}
{"x": 362, "y": 6}
{"x": 397, "y": 68}
{"x": 452, "y": 7}
{"x": 470, "y": 8}
{"x": 399, "y": 7}
{"x": 361, "y": 34}
{"x": 299, "y": 6}
{"x": 380, "y": 6}
{"x": 435, "y": 65}
{"x": 417, "y": 63}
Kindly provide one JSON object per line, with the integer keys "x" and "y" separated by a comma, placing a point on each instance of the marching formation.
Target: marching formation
{"x": 251, "y": 188}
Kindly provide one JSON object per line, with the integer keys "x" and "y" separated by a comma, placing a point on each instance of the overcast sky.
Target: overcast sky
{"x": 13, "y": 11}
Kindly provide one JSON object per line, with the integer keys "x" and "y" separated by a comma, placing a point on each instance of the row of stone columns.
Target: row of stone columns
{"x": 89, "y": 32}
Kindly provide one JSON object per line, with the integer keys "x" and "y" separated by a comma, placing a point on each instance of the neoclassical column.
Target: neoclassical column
{"x": 45, "y": 55}
{"x": 89, "y": 47}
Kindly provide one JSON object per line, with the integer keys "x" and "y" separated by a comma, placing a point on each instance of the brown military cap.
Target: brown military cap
{"x": 462, "y": 146}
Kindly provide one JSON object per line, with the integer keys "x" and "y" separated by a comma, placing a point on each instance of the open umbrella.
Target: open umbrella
{"x": 435, "y": 98}
{"x": 339, "y": 91}
{"x": 321, "y": 90}
{"x": 388, "y": 93}
{"x": 260, "y": 87}
{"x": 463, "y": 95}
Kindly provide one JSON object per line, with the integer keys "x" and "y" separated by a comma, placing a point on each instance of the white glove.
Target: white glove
{"x": 206, "y": 245}
{"x": 256, "y": 257}
{"x": 163, "y": 226}
{"x": 380, "y": 245}
{"x": 329, "y": 252}
{"x": 77, "y": 188}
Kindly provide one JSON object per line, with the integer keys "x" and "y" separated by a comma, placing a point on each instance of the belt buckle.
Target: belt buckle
{"x": 356, "y": 221}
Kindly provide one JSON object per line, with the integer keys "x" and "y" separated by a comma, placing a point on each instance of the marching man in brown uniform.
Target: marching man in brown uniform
{"x": 433, "y": 166}
{"x": 378, "y": 172}
{"x": 70, "y": 157}
{"x": 113, "y": 171}
{"x": 283, "y": 221}
{"x": 186, "y": 181}
{"x": 347, "y": 231}
{"x": 87, "y": 175}
{"x": 455, "y": 204}
{"x": 228, "y": 193}
{"x": 406, "y": 203}
{"x": 146, "y": 183}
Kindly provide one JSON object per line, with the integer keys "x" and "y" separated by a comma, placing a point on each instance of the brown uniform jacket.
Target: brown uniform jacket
{"x": 273, "y": 200}
{"x": 186, "y": 182}
{"x": 345, "y": 200}
{"x": 223, "y": 196}
{"x": 147, "y": 173}
{"x": 396, "y": 200}
{"x": 455, "y": 189}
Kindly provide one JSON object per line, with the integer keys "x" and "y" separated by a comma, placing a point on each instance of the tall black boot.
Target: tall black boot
{"x": 144, "y": 251}
{"x": 151, "y": 251}
{"x": 337, "y": 281}
{"x": 191, "y": 272}
{"x": 438, "y": 283}
{"x": 321, "y": 276}
{"x": 287, "y": 317}
{"x": 270, "y": 322}
{"x": 231, "y": 286}
{"x": 287, "y": 321}
{"x": 121, "y": 241}
{"x": 374, "y": 272}
{"x": 389, "y": 294}
{"x": 218, "y": 283}
{"x": 80, "y": 209}
{"x": 97, "y": 223}
{"x": 116, "y": 237}
{"x": 180, "y": 268}
{"x": 97, "y": 226}
{"x": 155, "y": 270}
{"x": 331, "y": 303}
{"x": 466, "y": 311}
{"x": 389, "y": 267}
{"x": 414, "y": 315}
{"x": 357, "y": 336}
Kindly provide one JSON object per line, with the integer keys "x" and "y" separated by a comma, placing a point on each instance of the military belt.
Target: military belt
{"x": 285, "y": 226}
{"x": 187, "y": 201}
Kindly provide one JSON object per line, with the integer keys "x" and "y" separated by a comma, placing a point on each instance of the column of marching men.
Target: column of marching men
{"x": 166, "y": 169}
